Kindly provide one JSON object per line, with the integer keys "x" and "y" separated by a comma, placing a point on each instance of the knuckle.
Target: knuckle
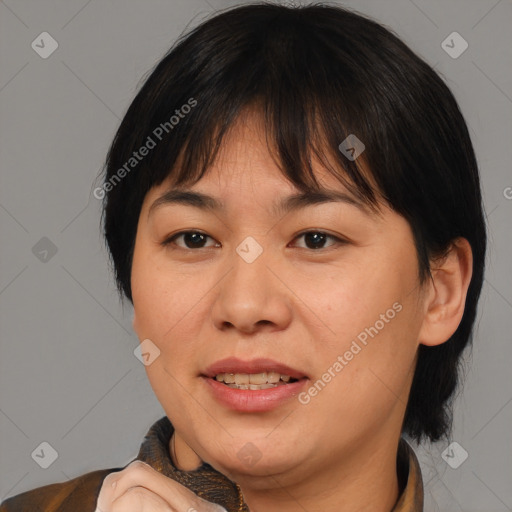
{"x": 137, "y": 493}
{"x": 135, "y": 470}
{"x": 133, "y": 499}
{"x": 139, "y": 498}
{"x": 109, "y": 479}
{"x": 137, "y": 466}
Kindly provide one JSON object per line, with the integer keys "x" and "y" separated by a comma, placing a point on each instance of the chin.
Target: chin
{"x": 258, "y": 458}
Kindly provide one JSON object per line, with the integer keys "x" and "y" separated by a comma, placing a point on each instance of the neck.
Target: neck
{"x": 182, "y": 456}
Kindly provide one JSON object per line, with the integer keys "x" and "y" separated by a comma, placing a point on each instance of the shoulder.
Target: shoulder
{"x": 76, "y": 495}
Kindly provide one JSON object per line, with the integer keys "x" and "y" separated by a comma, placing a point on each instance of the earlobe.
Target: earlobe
{"x": 445, "y": 302}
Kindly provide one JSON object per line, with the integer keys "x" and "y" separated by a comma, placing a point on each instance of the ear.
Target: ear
{"x": 445, "y": 297}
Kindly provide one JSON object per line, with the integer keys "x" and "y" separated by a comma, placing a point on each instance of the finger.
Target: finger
{"x": 105, "y": 496}
{"x": 110, "y": 490}
{"x": 139, "y": 474}
{"x": 139, "y": 499}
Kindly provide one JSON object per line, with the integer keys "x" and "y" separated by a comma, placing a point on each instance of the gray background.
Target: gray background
{"x": 68, "y": 375}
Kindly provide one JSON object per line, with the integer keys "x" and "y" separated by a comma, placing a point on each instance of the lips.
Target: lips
{"x": 233, "y": 365}
{"x": 247, "y": 397}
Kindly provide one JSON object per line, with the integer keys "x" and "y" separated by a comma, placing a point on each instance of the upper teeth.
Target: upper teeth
{"x": 251, "y": 378}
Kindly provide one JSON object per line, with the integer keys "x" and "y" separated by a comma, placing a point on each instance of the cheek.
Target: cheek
{"x": 373, "y": 323}
{"x": 166, "y": 303}
{"x": 372, "y": 374}
{"x": 349, "y": 298}
{"x": 158, "y": 295}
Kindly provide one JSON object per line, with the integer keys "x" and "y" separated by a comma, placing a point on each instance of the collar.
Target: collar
{"x": 209, "y": 484}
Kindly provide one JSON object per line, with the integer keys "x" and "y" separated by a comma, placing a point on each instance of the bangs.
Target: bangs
{"x": 292, "y": 143}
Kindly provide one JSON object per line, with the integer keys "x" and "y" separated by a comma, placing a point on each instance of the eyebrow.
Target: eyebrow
{"x": 288, "y": 204}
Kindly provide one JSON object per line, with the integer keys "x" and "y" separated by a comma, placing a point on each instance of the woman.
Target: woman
{"x": 292, "y": 206}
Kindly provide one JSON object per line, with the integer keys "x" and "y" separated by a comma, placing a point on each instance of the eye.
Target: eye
{"x": 315, "y": 239}
{"x": 192, "y": 240}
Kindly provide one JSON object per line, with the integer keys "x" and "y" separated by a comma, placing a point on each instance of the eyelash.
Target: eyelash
{"x": 170, "y": 240}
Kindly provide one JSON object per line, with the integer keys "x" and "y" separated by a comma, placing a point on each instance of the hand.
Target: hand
{"x": 140, "y": 488}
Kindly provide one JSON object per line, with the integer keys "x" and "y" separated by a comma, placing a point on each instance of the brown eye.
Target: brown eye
{"x": 191, "y": 239}
{"x": 315, "y": 240}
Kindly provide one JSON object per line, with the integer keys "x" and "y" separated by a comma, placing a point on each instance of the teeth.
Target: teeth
{"x": 247, "y": 381}
{"x": 258, "y": 378}
{"x": 253, "y": 387}
{"x": 274, "y": 377}
{"x": 241, "y": 378}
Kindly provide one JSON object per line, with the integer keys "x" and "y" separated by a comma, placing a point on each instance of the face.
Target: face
{"x": 326, "y": 293}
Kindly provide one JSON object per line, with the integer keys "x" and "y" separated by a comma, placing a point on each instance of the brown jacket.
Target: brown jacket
{"x": 80, "y": 493}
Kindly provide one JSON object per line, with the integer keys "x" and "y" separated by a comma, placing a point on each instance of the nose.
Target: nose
{"x": 251, "y": 296}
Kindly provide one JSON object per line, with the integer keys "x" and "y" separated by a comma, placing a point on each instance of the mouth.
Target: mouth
{"x": 256, "y": 374}
{"x": 255, "y": 386}
{"x": 254, "y": 381}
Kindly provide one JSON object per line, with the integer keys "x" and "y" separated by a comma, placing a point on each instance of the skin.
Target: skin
{"x": 297, "y": 305}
